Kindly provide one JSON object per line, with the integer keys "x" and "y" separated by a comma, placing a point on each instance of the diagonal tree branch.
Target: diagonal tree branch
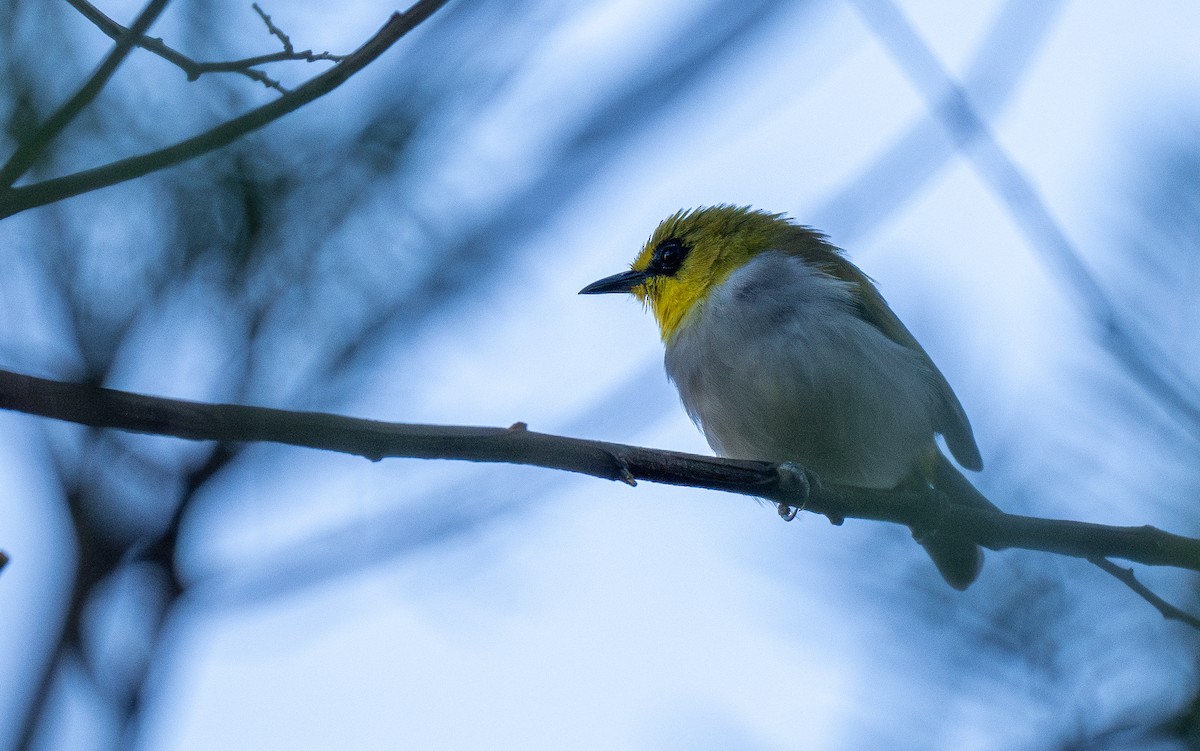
{"x": 990, "y": 80}
{"x": 16, "y": 200}
{"x": 789, "y": 485}
{"x": 950, "y": 103}
{"x": 965, "y": 123}
{"x": 28, "y": 152}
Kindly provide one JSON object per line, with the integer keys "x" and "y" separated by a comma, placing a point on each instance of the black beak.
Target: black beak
{"x": 623, "y": 282}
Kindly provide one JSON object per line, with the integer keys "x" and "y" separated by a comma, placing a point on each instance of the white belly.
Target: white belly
{"x": 775, "y": 364}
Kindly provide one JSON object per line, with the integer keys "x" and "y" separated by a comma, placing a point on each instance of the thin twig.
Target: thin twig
{"x": 275, "y": 30}
{"x": 16, "y": 200}
{"x": 1126, "y": 576}
{"x": 239, "y": 66}
{"x": 114, "y": 30}
{"x": 192, "y": 68}
{"x": 30, "y": 149}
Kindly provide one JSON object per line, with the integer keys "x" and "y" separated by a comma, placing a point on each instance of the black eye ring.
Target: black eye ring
{"x": 668, "y": 256}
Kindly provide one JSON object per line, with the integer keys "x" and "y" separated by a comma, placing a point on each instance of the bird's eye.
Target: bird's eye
{"x": 668, "y": 256}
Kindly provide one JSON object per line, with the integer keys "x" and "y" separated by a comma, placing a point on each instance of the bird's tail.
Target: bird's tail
{"x": 958, "y": 560}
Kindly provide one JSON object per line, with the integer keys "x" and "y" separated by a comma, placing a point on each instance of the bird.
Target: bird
{"x": 782, "y": 350}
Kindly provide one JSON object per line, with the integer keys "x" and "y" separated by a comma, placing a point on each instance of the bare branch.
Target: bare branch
{"x": 28, "y": 152}
{"x": 928, "y": 511}
{"x": 240, "y": 66}
{"x": 192, "y": 68}
{"x": 16, "y": 200}
{"x": 114, "y": 30}
{"x": 788, "y": 485}
{"x": 4, "y": 559}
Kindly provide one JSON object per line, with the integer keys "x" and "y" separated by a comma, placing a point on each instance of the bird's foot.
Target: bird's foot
{"x": 795, "y": 481}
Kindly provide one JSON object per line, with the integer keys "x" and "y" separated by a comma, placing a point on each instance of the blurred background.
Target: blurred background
{"x": 1021, "y": 177}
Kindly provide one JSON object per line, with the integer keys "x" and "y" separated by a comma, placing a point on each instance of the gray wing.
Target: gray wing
{"x": 951, "y": 420}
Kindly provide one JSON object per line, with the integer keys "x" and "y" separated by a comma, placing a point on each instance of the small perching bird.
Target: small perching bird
{"x": 783, "y": 351}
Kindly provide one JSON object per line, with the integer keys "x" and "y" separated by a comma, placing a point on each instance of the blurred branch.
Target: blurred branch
{"x": 951, "y": 104}
{"x": 193, "y": 69}
{"x": 992, "y": 77}
{"x": 28, "y": 152}
{"x": 928, "y": 511}
{"x": 4, "y": 559}
{"x": 15, "y": 200}
{"x": 621, "y": 116}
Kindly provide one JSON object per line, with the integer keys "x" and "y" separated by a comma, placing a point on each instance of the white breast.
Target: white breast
{"x": 776, "y": 364}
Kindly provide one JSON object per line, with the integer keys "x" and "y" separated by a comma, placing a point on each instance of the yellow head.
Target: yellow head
{"x": 693, "y": 251}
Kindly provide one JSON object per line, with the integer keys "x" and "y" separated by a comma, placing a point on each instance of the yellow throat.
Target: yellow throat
{"x": 715, "y": 241}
